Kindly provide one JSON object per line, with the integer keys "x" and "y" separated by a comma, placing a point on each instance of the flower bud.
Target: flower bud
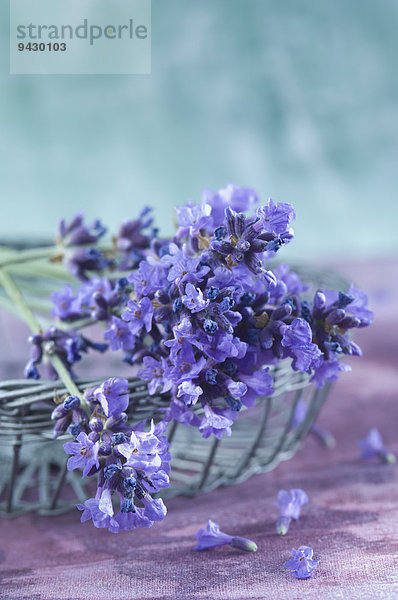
{"x": 335, "y": 316}
{"x": 114, "y": 420}
{"x": 59, "y": 412}
{"x": 61, "y": 426}
{"x": 319, "y": 300}
{"x": 388, "y": 457}
{"x": 96, "y": 424}
{"x": 243, "y": 544}
{"x": 71, "y": 402}
{"x": 282, "y": 525}
{"x": 162, "y": 297}
{"x": 105, "y": 449}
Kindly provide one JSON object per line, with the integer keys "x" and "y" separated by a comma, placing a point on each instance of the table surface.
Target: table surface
{"x": 351, "y": 519}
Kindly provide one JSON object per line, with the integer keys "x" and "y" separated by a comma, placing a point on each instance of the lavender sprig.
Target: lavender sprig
{"x": 131, "y": 464}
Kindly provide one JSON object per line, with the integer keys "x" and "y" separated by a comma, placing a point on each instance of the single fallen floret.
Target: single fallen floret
{"x": 211, "y": 537}
{"x": 289, "y": 504}
{"x": 373, "y": 445}
{"x": 301, "y": 564}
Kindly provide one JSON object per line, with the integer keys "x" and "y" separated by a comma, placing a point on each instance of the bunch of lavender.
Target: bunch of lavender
{"x": 205, "y": 317}
{"x": 130, "y": 464}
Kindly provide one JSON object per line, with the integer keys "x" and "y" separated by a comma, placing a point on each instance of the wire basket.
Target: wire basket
{"x": 34, "y": 476}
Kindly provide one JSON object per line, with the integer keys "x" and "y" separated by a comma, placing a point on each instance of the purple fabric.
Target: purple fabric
{"x": 351, "y": 519}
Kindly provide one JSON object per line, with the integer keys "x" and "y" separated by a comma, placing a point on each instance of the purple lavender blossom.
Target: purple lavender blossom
{"x": 139, "y": 315}
{"x": 84, "y": 454}
{"x": 289, "y": 504}
{"x": 297, "y": 340}
{"x": 156, "y": 372}
{"x": 149, "y": 278}
{"x": 100, "y": 519}
{"x": 154, "y": 509}
{"x": 239, "y": 199}
{"x": 131, "y": 520}
{"x": 372, "y": 445}
{"x": 207, "y": 320}
{"x": 187, "y": 369}
{"x": 328, "y": 370}
{"x": 192, "y": 218}
{"x": 217, "y": 421}
{"x": 301, "y": 564}
{"x": 142, "y": 451}
{"x": 211, "y": 537}
{"x": 358, "y": 306}
{"x": 66, "y": 305}
{"x": 132, "y": 466}
{"x": 259, "y": 384}
{"x": 79, "y": 234}
{"x": 193, "y": 299}
{"x": 276, "y": 218}
{"x": 113, "y": 395}
{"x": 189, "y": 392}
{"x": 119, "y": 335}
{"x": 182, "y": 265}
{"x": 68, "y": 346}
{"x": 132, "y": 239}
{"x": 181, "y": 344}
{"x": 288, "y": 283}
{"x": 178, "y": 411}
{"x": 80, "y": 260}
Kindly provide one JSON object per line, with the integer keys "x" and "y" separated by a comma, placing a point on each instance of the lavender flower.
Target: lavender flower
{"x": 189, "y": 392}
{"x": 193, "y": 299}
{"x": 192, "y": 218}
{"x": 301, "y": 565}
{"x": 149, "y": 278}
{"x": 113, "y": 396}
{"x": 77, "y": 233}
{"x": 156, "y": 372}
{"x": 297, "y": 339}
{"x": 289, "y": 504}
{"x": 276, "y": 218}
{"x": 66, "y": 305}
{"x": 328, "y": 370}
{"x": 84, "y": 454}
{"x": 68, "y": 346}
{"x": 372, "y": 445}
{"x": 100, "y": 519}
{"x": 211, "y": 537}
{"x": 239, "y": 199}
{"x": 141, "y": 451}
{"x": 119, "y": 335}
{"x": 139, "y": 315}
{"x": 132, "y": 240}
{"x": 69, "y": 414}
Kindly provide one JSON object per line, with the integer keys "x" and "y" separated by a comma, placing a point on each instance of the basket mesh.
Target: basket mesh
{"x": 34, "y": 475}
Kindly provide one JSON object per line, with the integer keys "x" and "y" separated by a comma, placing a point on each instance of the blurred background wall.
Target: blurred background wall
{"x": 297, "y": 98}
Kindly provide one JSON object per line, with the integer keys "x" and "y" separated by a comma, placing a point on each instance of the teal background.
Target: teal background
{"x": 297, "y": 98}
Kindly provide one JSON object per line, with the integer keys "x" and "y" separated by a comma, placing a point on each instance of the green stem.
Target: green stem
{"x": 70, "y": 385}
{"x": 16, "y": 297}
{"x": 21, "y": 256}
